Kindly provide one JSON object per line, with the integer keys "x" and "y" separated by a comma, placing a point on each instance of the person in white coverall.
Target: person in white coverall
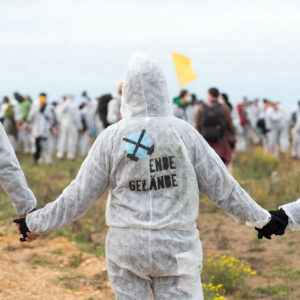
{"x": 70, "y": 124}
{"x": 253, "y": 114}
{"x": 296, "y": 133}
{"x": 114, "y": 106}
{"x": 154, "y": 166}
{"x": 276, "y": 123}
{"x": 12, "y": 178}
{"x": 43, "y": 123}
{"x": 84, "y": 134}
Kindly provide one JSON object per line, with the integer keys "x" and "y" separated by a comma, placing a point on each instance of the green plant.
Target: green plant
{"x": 226, "y": 270}
{"x": 212, "y": 292}
{"x": 75, "y": 260}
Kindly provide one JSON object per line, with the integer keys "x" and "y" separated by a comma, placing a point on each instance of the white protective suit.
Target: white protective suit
{"x": 84, "y": 144}
{"x": 41, "y": 124}
{"x": 113, "y": 109}
{"x": 293, "y": 212}
{"x": 154, "y": 166}
{"x": 253, "y": 115}
{"x": 296, "y": 136}
{"x": 12, "y": 178}
{"x": 275, "y": 123}
{"x": 70, "y": 124}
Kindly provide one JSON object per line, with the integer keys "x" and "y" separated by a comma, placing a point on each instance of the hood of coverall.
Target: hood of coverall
{"x": 145, "y": 92}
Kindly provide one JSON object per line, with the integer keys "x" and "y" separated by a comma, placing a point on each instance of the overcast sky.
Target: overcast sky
{"x": 243, "y": 47}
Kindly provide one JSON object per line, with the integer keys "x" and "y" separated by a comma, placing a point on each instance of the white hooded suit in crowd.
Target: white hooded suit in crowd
{"x": 154, "y": 166}
{"x": 296, "y": 135}
{"x": 12, "y": 178}
{"x": 70, "y": 124}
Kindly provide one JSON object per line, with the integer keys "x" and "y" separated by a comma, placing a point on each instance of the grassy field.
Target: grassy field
{"x": 236, "y": 264}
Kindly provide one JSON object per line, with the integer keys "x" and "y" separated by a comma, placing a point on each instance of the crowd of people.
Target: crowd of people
{"x": 46, "y": 128}
{"x": 228, "y": 127}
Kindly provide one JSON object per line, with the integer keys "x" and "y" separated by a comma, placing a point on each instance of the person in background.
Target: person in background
{"x": 84, "y": 134}
{"x": 192, "y": 110}
{"x": 262, "y": 125}
{"x": 242, "y": 125}
{"x": 224, "y": 99}
{"x": 102, "y": 109}
{"x": 276, "y": 124}
{"x": 213, "y": 121}
{"x": 24, "y": 130}
{"x": 43, "y": 123}
{"x": 2, "y": 110}
{"x": 9, "y": 123}
{"x": 295, "y": 124}
{"x": 85, "y": 97}
{"x": 114, "y": 106}
{"x": 16, "y": 102}
{"x": 70, "y": 125}
{"x": 253, "y": 111}
{"x": 180, "y": 105}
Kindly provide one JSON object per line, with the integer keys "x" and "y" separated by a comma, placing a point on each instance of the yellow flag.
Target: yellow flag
{"x": 184, "y": 69}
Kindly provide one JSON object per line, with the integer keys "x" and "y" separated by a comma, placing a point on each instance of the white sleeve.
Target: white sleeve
{"x": 12, "y": 178}
{"x": 293, "y": 212}
{"x": 89, "y": 185}
{"x": 222, "y": 189}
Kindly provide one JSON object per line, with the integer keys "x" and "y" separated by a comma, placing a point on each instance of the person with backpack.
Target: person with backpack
{"x": 102, "y": 110}
{"x": 213, "y": 121}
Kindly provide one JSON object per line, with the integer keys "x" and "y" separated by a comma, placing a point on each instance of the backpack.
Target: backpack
{"x": 213, "y": 123}
{"x": 102, "y": 108}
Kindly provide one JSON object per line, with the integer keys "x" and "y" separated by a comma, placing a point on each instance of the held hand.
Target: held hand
{"x": 21, "y": 228}
{"x": 277, "y": 225}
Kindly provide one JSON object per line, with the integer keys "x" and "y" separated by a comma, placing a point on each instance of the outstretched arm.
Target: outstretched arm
{"x": 221, "y": 188}
{"x": 89, "y": 185}
{"x": 12, "y": 178}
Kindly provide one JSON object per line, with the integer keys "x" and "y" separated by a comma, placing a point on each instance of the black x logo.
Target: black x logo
{"x": 138, "y": 145}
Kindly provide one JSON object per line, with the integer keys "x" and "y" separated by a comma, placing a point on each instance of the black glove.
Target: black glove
{"x": 277, "y": 225}
{"x": 280, "y": 213}
{"x": 23, "y": 228}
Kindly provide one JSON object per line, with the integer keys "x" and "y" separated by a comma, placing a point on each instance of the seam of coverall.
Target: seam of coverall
{"x": 99, "y": 168}
{"x": 150, "y": 197}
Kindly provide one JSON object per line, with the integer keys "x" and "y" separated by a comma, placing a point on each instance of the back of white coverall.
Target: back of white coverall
{"x": 154, "y": 166}
{"x": 70, "y": 123}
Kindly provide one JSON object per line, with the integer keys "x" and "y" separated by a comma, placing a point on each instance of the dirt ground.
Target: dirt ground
{"x": 46, "y": 269}
{"x": 53, "y": 268}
